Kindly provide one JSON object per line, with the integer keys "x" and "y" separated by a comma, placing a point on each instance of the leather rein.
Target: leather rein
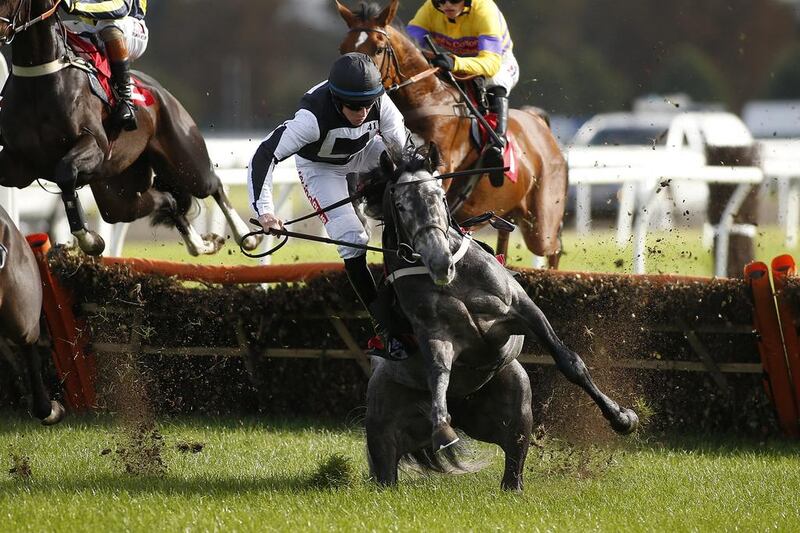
{"x": 15, "y": 24}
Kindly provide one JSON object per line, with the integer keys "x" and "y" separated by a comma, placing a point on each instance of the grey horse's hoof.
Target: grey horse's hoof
{"x": 627, "y": 422}
{"x": 57, "y": 413}
{"x": 443, "y": 436}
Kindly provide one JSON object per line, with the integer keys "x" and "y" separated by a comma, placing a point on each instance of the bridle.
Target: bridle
{"x": 15, "y": 24}
{"x": 400, "y": 232}
{"x": 389, "y": 59}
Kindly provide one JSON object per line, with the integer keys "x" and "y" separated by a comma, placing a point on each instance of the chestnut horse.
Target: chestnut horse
{"x": 20, "y": 313}
{"x": 535, "y": 201}
{"x": 52, "y": 128}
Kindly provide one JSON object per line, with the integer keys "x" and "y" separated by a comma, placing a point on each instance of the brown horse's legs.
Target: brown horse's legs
{"x": 500, "y": 412}
{"x": 622, "y": 420}
{"x": 48, "y": 411}
{"x": 83, "y": 158}
{"x": 237, "y": 225}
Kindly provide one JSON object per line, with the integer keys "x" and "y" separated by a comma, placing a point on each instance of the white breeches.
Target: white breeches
{"x": 325, "y": 184}
{"x": 135, "y": 31}
{"x": 508, "y": 75}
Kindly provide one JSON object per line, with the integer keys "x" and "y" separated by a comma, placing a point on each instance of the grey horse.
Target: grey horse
{"x": 469, "y": 317}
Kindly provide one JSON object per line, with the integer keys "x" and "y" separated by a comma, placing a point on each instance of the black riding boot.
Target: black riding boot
{"x": 124, "y": 113}
{"x": 498, "y": 104}
{"x": 361, "y": 279}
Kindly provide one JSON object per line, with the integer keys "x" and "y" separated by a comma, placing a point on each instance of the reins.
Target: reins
{"x": 13, "y": 28}
{"x": 405, "y": 252}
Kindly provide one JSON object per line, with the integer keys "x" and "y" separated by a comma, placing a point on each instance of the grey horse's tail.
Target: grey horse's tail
{"x": 460, "y": 458}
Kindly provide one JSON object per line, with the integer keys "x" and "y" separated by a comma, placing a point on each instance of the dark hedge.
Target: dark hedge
{"x": 603, "y": 317}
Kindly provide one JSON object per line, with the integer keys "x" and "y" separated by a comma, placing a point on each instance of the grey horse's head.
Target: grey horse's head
{"x": 422, "y": 215}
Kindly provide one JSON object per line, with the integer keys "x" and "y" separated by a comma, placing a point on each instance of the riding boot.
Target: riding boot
{"x": 363, "y": 284}
{"x": 123, "y": 115}
{"x": 498, "y": 104}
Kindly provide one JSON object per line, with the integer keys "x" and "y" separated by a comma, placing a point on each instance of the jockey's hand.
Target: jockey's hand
{"x": 445, "y": 62}
{"x": 270, "y": 222}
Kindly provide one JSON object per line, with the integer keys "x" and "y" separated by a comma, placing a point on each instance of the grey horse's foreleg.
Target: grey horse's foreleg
{"x": 83, "y": 158}
{"x": 500, "y": 412}
{"x": 441, "y": 355}
{"x": 571, "y": 365}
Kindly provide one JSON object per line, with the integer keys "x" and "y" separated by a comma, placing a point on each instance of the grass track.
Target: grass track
{"x": 679, "y": 252}
{"x": 255, "y": 476}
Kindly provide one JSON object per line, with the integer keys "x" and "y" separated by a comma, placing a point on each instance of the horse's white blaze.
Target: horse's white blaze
{"x": 362, "y": 38}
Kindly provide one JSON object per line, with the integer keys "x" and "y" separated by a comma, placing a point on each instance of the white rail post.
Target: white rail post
{"x": 724, "y": 228}
{"x": 8, "y": 199}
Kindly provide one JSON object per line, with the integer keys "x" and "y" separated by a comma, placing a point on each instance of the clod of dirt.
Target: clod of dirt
{"x": 335, "y": 472}
{"x": 193, "y": 447}
{"x": 20, "y": 467}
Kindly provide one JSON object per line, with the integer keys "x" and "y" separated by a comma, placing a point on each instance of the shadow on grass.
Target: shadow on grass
{"x": 167, "y": 485}
{"x": 730, "y": 445}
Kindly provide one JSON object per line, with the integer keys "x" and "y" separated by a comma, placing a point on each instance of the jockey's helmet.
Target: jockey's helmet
{"x": 354, "y": 79}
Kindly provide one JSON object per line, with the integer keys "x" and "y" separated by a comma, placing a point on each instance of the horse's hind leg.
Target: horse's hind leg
{"x": 42, "y": 407}
{"x": 238, "y": 226}
{"x": 622, "y": 420}
{"x": 181, "y": 160}
{"x": 500, "y": 412}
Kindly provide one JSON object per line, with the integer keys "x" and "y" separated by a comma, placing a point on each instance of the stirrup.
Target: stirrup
{"x": 392, "y": 349}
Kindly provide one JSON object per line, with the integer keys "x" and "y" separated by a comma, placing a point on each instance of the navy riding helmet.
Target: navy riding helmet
{"x": 355, "y": 80}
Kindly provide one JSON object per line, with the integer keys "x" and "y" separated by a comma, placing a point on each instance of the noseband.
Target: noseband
{"x": 15, "y": 24}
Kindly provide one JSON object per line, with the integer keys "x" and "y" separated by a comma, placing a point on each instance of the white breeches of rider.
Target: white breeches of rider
{"x": 135, "y": 31}
{"x": 508, "y": 76}
{"x": 325, "y": 184}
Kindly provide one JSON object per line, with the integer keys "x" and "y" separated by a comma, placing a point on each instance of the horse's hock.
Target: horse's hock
{"x": 684, "y": 346}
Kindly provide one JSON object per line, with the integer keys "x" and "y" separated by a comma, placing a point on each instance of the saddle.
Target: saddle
{"x": 92, "y": 60}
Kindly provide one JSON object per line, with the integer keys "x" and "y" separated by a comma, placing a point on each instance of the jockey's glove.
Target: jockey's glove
{"x": 444, "y": 61}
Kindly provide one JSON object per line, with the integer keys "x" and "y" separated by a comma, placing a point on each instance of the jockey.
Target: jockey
{"x": 343, "y": 126}
{"x": 475, "y": 36}
{"x": 120, "y": 25}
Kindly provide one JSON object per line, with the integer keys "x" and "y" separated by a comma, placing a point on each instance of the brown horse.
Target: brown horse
{"x": 20, "y": 313}
{"x": 535, "y": 201}
{"x": 52, "y": 128}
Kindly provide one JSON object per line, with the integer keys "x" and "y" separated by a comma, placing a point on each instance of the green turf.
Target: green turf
{"x": 679, "y": 252}
{"x": 260, "y": 476}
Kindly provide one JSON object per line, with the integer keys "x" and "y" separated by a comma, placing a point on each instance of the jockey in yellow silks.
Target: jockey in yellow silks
{"x": 475, "y": 36}
{"x": 120, "y": 25}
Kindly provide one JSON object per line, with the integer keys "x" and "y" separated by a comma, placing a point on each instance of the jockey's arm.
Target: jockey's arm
{"x": 283, "y": 142}
{"x": 395, "y": 135}
{"x": 486, "y": 64}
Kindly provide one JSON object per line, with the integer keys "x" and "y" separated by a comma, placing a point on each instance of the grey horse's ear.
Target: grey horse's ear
{"x": 387, "y": 165}
{"x": 434, "y": 160}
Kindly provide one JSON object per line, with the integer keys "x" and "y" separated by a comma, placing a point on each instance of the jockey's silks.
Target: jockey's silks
{"x": 478, "y": 38}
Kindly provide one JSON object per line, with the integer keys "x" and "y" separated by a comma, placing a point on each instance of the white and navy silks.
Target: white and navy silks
{"x": 327, "y": 147}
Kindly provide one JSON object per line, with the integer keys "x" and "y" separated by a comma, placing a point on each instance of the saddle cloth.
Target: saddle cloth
{"x": 100, "y": 79}
{"x": 481, "y": 139}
